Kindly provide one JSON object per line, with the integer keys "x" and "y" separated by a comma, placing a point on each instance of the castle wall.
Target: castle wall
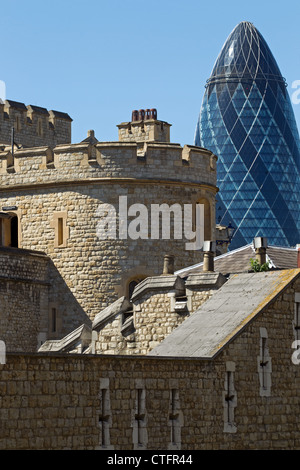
{"x": 56, "y": 401}
{"x": 57, "y": 195}
{"x": 23, "y": 298}
{"x": 33, "y": 126}
{"x": 160, "y": 305}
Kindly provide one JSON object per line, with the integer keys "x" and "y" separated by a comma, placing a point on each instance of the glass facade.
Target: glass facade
{"x": 247, "y": 120}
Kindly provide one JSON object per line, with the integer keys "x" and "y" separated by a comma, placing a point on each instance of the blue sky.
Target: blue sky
{"x": 99, "y": 60}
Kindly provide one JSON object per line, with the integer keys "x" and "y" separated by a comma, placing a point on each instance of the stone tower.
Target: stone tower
{"x": 54, "y": 198}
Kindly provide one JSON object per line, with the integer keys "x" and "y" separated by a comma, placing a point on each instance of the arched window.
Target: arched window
{"x": 132, "y": 284}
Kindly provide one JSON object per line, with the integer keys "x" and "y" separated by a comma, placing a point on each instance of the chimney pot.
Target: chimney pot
{"x": 209, "y": 249}
{"x": 153, "y": 113}
{"x": 168, "y": 264}
{"x": 260, "y": 244}
{"x": 141, "y": 114}
{"x": 135, "y": 115}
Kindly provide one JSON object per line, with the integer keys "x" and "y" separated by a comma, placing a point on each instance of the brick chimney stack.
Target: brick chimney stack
{"x": 260, "y": 244}
{"x": 209, "y": 249}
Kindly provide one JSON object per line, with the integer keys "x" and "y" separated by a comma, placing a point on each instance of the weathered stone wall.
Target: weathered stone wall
{"x": 55, "y": 402}
{"x": 161, "y": 161}
{"x": 72, "y": 182}
{"x": 30, "y": 288}
{"x": 33, "y": 126}
{"x": 23, "y": 298}
{"x": 153, "y": 318}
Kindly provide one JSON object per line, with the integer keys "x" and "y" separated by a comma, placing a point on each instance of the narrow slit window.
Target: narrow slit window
{"x": 60, "y": 231}
{"x": 230, "y": 399}
{"x": 173, "y": 415}
{"x": 139, "y": 419}
{"x": 54, "y": 320}
{"x": 105, "y": 417}
{"x": 264, "y": 365}
{"x": 174, "y": 420}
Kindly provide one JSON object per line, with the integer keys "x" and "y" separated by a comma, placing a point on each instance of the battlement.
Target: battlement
{"x": 152, "y": 158}
{"x": 33, "y": 126}
{"x": 131, "y": 160}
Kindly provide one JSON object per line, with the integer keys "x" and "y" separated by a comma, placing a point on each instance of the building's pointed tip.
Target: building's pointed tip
{"x": 245, "y": 113}
{"x": 245, "y": 55}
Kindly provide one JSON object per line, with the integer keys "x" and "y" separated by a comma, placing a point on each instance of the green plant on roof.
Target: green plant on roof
{"x": 257, "y": 267}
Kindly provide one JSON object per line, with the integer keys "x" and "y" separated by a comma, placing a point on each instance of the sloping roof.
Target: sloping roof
{"x": 83, "y": 333}
{"x": 117, "y": 307}
{"x": 225, "y": 314}
{"x": 238, "y": 261}
{"x": 163, "y": 282}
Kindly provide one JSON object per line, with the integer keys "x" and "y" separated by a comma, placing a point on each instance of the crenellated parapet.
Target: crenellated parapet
{"x": 54, "y": 198}
{"x": 134, "y": 160}
{"x": 33, "y": 126}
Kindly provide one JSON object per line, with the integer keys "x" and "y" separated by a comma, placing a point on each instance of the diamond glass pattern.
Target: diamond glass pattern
{"x": 247, "y": 120}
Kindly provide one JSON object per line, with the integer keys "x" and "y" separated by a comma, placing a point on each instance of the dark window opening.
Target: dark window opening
{"x": 54, "y": 320}
{"x": 9, "y": 230}
{"x": 14, "y": 232}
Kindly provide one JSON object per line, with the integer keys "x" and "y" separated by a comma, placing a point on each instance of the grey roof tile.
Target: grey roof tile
{"x": 225, "y": 314}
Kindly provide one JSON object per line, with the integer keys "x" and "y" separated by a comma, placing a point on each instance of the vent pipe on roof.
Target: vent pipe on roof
{"x": 260, "y": 245}
{"x": 209, "y": 249}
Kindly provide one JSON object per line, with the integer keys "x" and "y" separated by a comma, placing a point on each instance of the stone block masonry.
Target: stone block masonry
{"x": 33, "y": 126}
{"x": 55, "y": 193}
{"x": 24, "y": 288}
{"x": 99, "y": 402}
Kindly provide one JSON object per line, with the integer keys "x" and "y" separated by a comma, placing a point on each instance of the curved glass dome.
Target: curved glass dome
{"x": 247, "y": 120}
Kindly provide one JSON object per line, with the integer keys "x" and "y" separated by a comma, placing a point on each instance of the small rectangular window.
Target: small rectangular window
{"x": 53, "y": 320}
{"x": 60, "y": 231}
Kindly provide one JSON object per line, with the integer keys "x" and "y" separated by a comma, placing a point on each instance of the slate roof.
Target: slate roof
{"x": 238, "y": 261}
{"x": 206, "y": 332}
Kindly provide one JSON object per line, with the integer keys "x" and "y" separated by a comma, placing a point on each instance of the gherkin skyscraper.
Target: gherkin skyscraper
{"x": 247, "y": 120}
